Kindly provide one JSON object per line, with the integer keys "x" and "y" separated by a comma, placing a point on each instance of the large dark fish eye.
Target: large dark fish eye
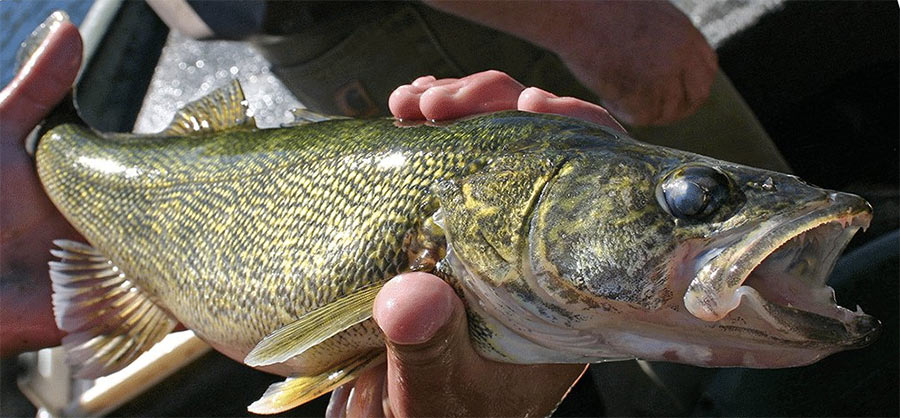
{"x": 693, "y": 192}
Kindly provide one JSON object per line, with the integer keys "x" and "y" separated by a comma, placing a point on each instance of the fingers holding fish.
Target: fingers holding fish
{"x": 487, "y": 91}
{"x": 537, "y": 100}
{"x": 404, "y": 101}
{"x": 412, "y": 307}
{"x": 29, "y": 221}
{"x": 363, "y": 397}
{"x": 432, "y": 368}
{"x": 433, "y": 99}
{"x": 44, "y": 78}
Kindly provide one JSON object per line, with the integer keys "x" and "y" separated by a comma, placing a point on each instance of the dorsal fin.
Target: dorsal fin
{"x": 298, "y": 390}
{"x": 303, "y": 116}
{"x": 109, "y": 321}
{"x": 314, "y": 327}
{"x": 224, "y": 108}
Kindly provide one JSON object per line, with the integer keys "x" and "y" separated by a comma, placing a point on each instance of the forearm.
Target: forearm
{"x": 559, "y": 26}
{"x": 644, "y": 59}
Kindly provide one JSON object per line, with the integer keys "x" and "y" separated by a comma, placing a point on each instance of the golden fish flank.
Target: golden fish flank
{"x": 568, "y": 242}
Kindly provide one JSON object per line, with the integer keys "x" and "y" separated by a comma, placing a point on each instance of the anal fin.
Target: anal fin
{"x": 109, "y": 321}
{"x": 296, "y": 391}
{"x": 314, "y": 327}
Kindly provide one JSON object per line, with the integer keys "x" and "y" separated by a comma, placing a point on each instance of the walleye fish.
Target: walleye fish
{"x": 569, "y": 243}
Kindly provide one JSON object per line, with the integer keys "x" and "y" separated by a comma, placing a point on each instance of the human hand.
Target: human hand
{"x": 29, "y": 220}
{"x": 657, "y": 67}
{"x": 645, "y": 60}
{"x": 487, "y": 91}
{"x": 432, "y": 369}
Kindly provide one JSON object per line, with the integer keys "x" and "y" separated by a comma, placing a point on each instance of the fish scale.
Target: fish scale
{"x": 277, "y": 239}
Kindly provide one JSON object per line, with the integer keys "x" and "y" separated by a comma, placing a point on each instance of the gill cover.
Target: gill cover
{"x": 598, "y": 232}
{"x": 486, "y": 213}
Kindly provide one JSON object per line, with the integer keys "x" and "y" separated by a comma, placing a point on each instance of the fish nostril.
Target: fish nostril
{"x": 867, "y": 326}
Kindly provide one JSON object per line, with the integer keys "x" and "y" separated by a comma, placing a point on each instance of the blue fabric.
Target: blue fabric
{"x": 856, "y": 262}
{"x": 18, "y": 18}
{"x": 231, "y": 19}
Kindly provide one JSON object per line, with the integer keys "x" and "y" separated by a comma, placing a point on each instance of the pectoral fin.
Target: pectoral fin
{"x": 296, "y": 391}
{"x": 313, "y": 328}
{"x": 109, "y": 321}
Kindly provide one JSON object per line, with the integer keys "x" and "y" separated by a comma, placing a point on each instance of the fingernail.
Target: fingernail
{"x": 539, "y": 91}
{"x": 404, "y": 102}
{"x": 38, "y": 35}
{"x": 337, "y": 404}
{"x": 365, "y": 398}
{"x": 423, "y": 81}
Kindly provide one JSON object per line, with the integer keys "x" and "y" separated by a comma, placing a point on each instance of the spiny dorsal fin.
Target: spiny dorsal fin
{"x": 296, "y": 391}
{"x": 314, "y": 327}
{"x": 108, "y": 320}
{"x": 304, "y": 116}
{"x": 224, "y": 108}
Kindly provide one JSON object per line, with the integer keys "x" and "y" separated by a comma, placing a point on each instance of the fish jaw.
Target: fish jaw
{"x": 777, "y": 273}
{"x": 774, "y": 324}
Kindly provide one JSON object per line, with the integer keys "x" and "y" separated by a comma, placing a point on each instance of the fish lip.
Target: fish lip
{"x": 718, "y": 286}
{"x": 848, "y": 330}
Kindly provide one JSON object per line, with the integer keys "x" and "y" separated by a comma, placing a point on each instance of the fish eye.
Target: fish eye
{"x": 693, "y": 192}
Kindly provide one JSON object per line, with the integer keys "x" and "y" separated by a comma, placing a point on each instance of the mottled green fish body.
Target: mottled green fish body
{"x": 260, "y": 226}
{"x": 569, "y": 243}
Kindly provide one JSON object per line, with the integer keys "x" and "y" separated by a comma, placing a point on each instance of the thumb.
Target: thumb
{"x": 45, "y": 78}
{"x": 433, "y": 370}
{"x": 423, "y": 323}
{"x": 425, "y": 332}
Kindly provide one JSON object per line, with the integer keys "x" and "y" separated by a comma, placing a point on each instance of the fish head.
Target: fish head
{"x": 672, "y": 256}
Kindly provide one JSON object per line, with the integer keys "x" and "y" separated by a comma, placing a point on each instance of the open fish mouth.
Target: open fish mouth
{"x": 778, "y": 270}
